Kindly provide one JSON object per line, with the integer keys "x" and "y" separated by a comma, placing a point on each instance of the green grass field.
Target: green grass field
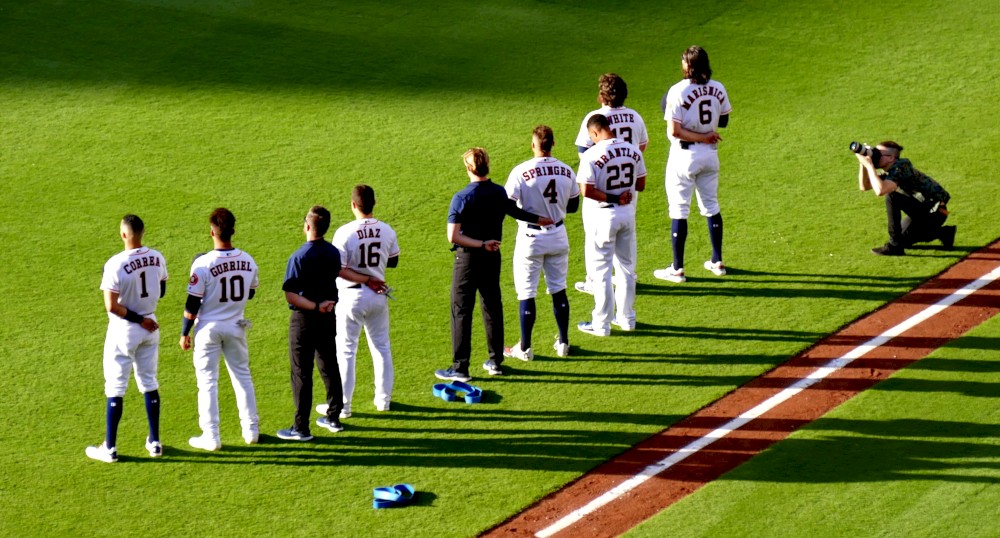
{"x": 171, "y": 108}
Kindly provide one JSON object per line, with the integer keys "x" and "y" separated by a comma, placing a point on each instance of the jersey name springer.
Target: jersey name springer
{"x": 538, "y": 171}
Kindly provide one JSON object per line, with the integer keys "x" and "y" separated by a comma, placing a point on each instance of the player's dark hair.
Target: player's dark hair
{"x": 319, "y": 218}
{"x": 224, "y": 222}
{"x": 134, "y": 224}
{"x": 612, "y": 90}
{"x": 698, "y": 68}
{"x": 543, "y": 133}
{"x": 478, "y": 161}
{"x": 892, "y": 145}
{"x": 363, "y": 196}
{"x": 600, "y": 121}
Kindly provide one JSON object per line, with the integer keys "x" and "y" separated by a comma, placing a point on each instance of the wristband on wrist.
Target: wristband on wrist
{"x": 186, "y": 325}
{"x": 613, "y": 198}
{"x": 132, "y": 316}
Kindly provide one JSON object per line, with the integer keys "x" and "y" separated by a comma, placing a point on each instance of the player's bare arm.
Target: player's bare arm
{"x": 640, "y": 184}
{"x": 455, "y": 236}
{"x": 111, "y": 305}
{"x": 679, "y": 132}
{"x": 375, "y": 284}
{"x": 592, "y": 192}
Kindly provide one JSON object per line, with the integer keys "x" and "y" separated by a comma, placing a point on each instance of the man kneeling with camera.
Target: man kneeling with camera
{"x": 906, "y": 190}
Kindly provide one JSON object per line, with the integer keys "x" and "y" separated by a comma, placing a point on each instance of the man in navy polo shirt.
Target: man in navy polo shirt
{"x": 475, "y": 227}
{"x": 311, "y": 291}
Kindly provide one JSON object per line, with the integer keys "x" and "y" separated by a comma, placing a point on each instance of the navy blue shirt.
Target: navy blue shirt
{"x": 312, "y": 272}
{"x": 480, "y": 208}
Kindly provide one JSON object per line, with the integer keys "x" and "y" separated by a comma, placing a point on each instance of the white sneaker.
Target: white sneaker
{"x": 102, "y": 453}
{"x": 378, "y": 407}
{"x": 205, "y": 442}
{"x": 623, "y": 325}
{"x": 584, "y": 287}
{"x": 588, "y": 327}
{"x": 251, "y": 437}
{"x": 562, "y": 350}
{"x": 670, "y": 274}
{"x": 323, "y": 408}
{"x": 154, "y": 448}
{"x": 717, "y": 267}
{"x": 518, "y": 353}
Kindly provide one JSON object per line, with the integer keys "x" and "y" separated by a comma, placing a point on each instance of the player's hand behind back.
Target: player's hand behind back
{"x": 185, "y": 343}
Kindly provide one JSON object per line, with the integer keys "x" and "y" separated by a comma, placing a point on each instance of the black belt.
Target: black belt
{"x": 355, "y": 286}
{"x": 537, "y": 227}
{"x": 687, "y": 145}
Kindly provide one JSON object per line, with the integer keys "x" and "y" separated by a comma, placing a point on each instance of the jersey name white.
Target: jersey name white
{"x": 697, "y": 107}
{"x": 223, "y": 279}
{"x": 135, "y": 275}
{"x": 626, "y": 124}
{"x": 543, "y": 186}
{"x": 365, "y": 246}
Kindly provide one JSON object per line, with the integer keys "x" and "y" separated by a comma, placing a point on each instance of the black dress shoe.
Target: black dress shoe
{"x": 947, "y": 236}
{"x": 888, "y": 249}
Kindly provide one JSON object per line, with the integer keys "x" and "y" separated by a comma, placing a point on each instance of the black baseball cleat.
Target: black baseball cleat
{"x": 947, "y": 236}
{"x": 888, "y": 249}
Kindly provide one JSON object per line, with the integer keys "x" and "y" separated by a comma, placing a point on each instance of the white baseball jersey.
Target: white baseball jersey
{"x": 626, "y": 124}
{"x": 223, "y": 279}
{"x": 365, "y": 246}
{"x": 612, "y": 166}
{"x": 543, "y": 186}
{"x": 135, "y": 275}
{"x": 697, "y": 107}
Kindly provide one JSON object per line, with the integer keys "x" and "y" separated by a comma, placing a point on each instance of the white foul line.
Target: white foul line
{"x": 765, "y": 406}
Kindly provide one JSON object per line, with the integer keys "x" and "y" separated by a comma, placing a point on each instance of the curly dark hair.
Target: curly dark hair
{"x": 612, "y": 90}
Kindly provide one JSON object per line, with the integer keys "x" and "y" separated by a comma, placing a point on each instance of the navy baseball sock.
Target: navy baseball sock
{"x": 560, "y": 306}
{"x": 153, "y": 414}
{"x": 527, "y": 311}
{"x": 715, "y": 234}
{"x": 114, "y": 416}
{"x": 678, "y": 236}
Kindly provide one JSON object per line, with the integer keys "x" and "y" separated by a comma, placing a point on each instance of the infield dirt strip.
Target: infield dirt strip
{"x": 623, "y": 492}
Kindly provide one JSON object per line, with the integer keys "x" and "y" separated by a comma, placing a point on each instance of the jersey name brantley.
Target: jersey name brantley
{"x": 614, "y": 152}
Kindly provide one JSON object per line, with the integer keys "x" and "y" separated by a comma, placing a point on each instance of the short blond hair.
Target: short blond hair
{"x": 477, "y": 161}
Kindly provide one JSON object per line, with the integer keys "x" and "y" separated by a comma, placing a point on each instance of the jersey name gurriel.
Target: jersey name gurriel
{"x": 543, "y": 170}
{"x": 614, "y": 152}
{"x": 226, "y": 267}
{"x": 145, "y": 261}
{"x": 702, "y": 91}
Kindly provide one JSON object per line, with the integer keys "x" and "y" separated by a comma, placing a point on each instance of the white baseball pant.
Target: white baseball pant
{"x": 363, "y": 308}
{"x": 127, "y": 344}
{"x": 612, "y": 246}
{"x": 538, "y": 251}
{"x": 229, "y": 340}
{"x": 695, "y": 169}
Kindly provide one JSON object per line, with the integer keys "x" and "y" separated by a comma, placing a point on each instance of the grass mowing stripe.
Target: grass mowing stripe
{"x": 769, "y": 404}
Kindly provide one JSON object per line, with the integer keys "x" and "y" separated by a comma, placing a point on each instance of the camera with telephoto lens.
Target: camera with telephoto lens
{"x": 867, "y": 151}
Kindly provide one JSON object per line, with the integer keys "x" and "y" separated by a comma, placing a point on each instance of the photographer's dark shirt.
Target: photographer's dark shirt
{"x": 912, "y": 181}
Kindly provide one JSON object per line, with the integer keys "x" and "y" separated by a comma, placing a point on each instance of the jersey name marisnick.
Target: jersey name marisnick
{"x": 226, "y": 267}
{"x": 532, "y": 173}
{"x": 145, "y": 261}
{"x": 616, "y": 152}
{"x": 702, "y": 91}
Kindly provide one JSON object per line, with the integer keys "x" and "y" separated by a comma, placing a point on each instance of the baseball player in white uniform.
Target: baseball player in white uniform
{"x": 626, "y": 124}
{"x": 133, "y": 283}
{"x": 222, "y": 281}
{"x": 694, "y": 109}
{"x": 611, "y": 172}
{"x": 367, "y": 247}
{"x": 542, "y": 185}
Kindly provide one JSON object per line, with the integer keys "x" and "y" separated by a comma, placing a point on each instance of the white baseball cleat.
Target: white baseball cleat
{"x": 516, "y": 352}
{"x": 623, "y": 325}
{"x": 717, "y": 267}
{"x": 251, "y": 437}
{"x": 378, "y": 407}
{"x": 562, "y": 349}
{"x": 154, "y": 448}
{"x": 584, "y": 287}
{"x": 323, "y": 408}
{"x": 205, "y": 442}
{"x": 670, "y": 274}
{"x": 102, "y": 453}
{"x": 588, "y": 327}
